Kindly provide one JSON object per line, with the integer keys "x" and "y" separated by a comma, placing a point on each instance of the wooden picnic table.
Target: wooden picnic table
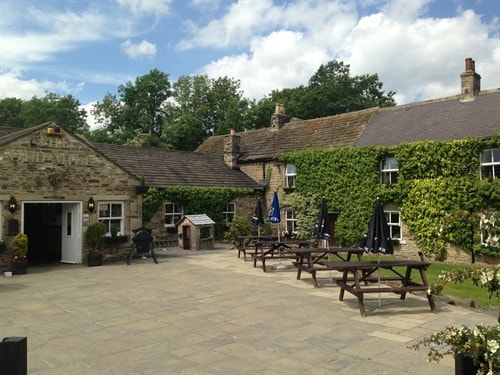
{"x": 275, "y": 249}
{"x": 312, "y": 260}
{"x": 363, "y": 272}
{"x": 245, "y": 243}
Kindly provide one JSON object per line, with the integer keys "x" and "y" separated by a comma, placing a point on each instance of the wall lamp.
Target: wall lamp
{"x": 91, "y": 205}
{"x": 12, "y": 205}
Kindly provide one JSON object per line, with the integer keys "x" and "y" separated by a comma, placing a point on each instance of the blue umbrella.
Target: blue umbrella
{"x": 274, "y": 212}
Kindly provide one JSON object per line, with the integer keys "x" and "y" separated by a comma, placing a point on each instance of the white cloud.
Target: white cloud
{"x": 91, "y": 121}
{"x": 157, "y": 7}
{"x": 139, "y": 50}
{"x": 12, "y": 84}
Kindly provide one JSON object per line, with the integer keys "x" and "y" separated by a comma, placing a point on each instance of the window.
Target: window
{"x": 389, "y": 171}
{"x": 290, "y": 175}
{"x": 490, "y": 229}
{"x": 490, "y": 164}
{"x": 111, "y": 215}
{"x": 230, "y": 212}
{"x": 291, "y": 222}
{"x": 173, "y": 213}
{"x": 394, "y": 224}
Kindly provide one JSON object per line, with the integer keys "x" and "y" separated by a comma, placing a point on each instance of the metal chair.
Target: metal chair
{"x": 142, "y": 243}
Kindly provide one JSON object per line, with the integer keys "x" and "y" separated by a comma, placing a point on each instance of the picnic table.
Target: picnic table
{"x": 312, "y": 260}
{"x": 273, "y": 250}
{"x": 245, "y": 241}
{"x": 363, "y": 273}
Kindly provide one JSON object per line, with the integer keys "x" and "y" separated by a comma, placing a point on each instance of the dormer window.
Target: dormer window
{"x": 490, "y": 164}
{"x": 290, "y": 175}
{"x": 389, "y": 171}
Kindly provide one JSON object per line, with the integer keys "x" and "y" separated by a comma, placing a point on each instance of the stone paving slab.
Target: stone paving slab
{"x": 208, "y": 312}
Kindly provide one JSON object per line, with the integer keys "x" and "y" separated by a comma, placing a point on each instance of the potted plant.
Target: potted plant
{"x": 94, "y": 239}
{"x": 142, "y": 188}
{"x": 476, "y": 350}
{"x": 19, "y": 262}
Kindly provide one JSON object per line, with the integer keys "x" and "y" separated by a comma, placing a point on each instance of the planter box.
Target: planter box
{"x": 94, "y": 260}
{"x": 465, "y": 365}
{"x": 19, "y": 267}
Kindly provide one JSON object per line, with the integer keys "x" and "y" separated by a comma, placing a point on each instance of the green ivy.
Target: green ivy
{"x": 195, "y": 200}
{"x": 439, "y": 192}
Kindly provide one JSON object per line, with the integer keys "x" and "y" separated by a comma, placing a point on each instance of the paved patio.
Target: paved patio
{"x": 212, "y": 313}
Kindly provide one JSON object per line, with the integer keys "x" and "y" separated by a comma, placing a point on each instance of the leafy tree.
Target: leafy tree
{"x": 140, "y": 106}
{"x": 203, "y": 107}
{"x": 64, "y": 110}
{"x": 330, "y": 91}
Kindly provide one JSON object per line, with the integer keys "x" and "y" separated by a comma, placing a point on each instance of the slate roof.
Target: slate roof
{"x": 441, "y": 120}
{"x": 268, "y": 144}
{"x": 163, "y": 168}
{"x": 160, "y": 168}
{"x": 201, "y": 219}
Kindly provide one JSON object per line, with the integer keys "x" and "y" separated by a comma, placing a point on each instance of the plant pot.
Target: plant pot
{"x": 94, "y": 259}
{"x": 465, "y": 365}
{"x": 19, "y": 267}
{"x": 141, "y": 189}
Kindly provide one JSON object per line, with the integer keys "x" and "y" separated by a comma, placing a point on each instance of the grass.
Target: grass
{"x": 463, "y": 290}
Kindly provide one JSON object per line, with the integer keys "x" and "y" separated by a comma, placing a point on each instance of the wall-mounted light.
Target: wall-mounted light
{"x": 91, "y": 205}
{"x": 12, "y": 205}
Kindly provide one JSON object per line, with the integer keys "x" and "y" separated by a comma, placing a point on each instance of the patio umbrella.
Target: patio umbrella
{"x": 322, "y": 227}
{"x": 258, "y": 219}
{"x": 378, "y": 239}
{"x": 274, "y": 217}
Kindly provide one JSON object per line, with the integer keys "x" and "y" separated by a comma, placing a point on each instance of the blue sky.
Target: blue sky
{"x": 89, "y": 48}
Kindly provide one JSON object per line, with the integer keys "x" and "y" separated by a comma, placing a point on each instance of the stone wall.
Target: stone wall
{"x": 42, "y": 168}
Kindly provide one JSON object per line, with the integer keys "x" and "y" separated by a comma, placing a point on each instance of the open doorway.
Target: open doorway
{"x": 54, "y": 232}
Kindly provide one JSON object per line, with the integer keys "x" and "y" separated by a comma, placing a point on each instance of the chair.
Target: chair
{"x": 142, "y": 243}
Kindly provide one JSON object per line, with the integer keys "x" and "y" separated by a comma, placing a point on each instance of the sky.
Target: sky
{"x": 88, "y": 48}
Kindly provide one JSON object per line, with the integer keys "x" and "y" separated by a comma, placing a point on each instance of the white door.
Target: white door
{"x": 71, "y": 233}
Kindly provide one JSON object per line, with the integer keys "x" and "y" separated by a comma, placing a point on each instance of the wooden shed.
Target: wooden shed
{"x": 196, "y": 232}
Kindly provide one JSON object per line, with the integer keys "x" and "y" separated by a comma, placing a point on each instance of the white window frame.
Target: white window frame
{"x": 393, "y": 224}
{"x": 230, "y": 212}
{"x": 490, "y": 160}
{"x": 291, "y": 222}
{"x": 290, "y": 176}
{"x": 108, "y": 220}
{"x": 171, "y": 217}
{"x": 389, "y": 171}
{"x": 1, "y": 220}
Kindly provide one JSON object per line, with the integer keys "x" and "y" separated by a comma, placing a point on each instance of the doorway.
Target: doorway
{"x": 54, "y": 231}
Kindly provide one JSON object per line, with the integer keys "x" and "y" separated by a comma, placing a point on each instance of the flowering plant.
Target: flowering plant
{"x": 19, "y": 247}
{"x": 490, "y": 228}
{"x": 481, "y": 344}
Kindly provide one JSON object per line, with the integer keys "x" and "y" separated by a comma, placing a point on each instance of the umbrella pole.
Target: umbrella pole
{"x": 378, "y": 274}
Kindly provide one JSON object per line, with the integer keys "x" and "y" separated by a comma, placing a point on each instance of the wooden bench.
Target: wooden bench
{"x": 246, "y": 244}
{"x": 164, "y": 242}
{"x": 364, "y": 270}
{"x": 276, "y": 250}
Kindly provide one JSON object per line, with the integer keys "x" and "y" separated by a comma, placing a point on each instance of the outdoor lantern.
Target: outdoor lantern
{"x": 12, "y": 205}
{"x": 91, "y": 205}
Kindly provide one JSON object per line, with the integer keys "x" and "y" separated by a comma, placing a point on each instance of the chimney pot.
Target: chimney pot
{"x": 232, "y": 132}
{"x": 469, "y": 64}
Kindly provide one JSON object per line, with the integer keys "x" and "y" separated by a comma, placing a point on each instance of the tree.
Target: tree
{"x": 66, "y": 111}
{"x": 203, "y": 107}
{"x": 140, "y": 106}
{"x": 330, "y": 91}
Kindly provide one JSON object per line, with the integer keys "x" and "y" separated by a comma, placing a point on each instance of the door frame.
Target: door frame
{"x": 78, "y": 227}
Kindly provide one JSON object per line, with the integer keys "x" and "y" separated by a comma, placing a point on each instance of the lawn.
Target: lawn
{"x": 463, "y": 290}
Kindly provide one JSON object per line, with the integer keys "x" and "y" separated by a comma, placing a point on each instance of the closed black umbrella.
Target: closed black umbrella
{"x": 258, "y": 218}
{"x": 378, "y": 239}
{"x": 322, "y": 226}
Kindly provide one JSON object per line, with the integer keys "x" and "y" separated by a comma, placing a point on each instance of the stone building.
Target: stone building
{"x": 471, "y": 114}
{"x": 53, "y": 184}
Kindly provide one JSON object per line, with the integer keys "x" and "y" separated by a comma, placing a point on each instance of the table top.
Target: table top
{"x": 373, "y": 263}
{"x": 331, "y": 250}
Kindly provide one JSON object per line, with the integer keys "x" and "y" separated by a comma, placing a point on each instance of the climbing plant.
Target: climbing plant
{"x": 195, "y": 200}
{"x": 439, "y": 192}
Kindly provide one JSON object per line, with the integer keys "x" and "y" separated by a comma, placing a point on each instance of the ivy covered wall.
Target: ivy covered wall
{"x": 439, "y": 192}
{"x": 195, "y": 200}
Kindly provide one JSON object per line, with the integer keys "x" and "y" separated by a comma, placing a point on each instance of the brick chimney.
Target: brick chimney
{"x": 471, "y": 81}
{"x": 232, "y": 149}
{"x": 279, "y": 118}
